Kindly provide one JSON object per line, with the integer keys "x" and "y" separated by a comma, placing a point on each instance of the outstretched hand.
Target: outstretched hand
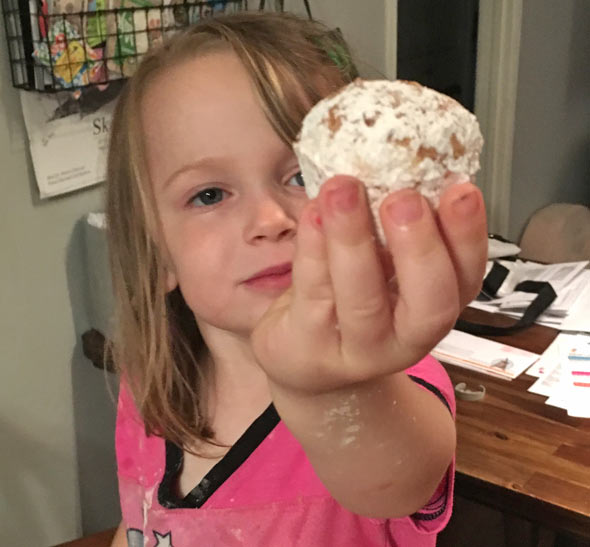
{"x": 345, "y": 320}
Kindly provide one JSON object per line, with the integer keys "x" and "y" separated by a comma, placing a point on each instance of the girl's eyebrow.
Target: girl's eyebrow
{"x": 207, "y": 161}
{"x": 214, "y": 161}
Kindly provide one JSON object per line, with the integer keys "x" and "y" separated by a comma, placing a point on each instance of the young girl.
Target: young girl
{"x": 270, "y": 394}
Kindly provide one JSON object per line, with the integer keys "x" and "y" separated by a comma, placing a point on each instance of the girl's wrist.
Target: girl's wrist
{"x": 394, "y": 384}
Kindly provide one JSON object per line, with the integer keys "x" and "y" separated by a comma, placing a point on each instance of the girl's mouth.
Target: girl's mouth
{"x": 275, "y": 277}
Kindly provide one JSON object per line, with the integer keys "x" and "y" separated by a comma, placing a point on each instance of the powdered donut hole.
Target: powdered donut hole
{"x": 390, "y": 135}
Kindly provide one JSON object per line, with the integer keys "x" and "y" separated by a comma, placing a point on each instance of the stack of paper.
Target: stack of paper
{"x": 564, "y": 374}
{"x": 468, "y": 351}
{"x": 571, "y": 282}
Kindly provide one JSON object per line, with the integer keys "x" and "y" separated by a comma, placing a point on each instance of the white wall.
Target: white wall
{"x": 54, "y": 415}
{"x": 363, "y": 25}
{"x": 551, "y": 161}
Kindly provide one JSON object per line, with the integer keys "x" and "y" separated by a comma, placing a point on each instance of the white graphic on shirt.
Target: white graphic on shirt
{"x": 163, "y": 540}
{"x": 135, "y": 538}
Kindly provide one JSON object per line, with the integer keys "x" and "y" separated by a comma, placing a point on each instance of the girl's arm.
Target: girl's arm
{"x": 380, "y": 448}
{"x": 336, "y": 345}
{"x": 120, "y": 539}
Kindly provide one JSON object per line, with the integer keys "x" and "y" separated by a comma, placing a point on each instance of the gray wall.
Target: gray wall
{"x": 362, "y": 24}
{"x": 551, "y": 161}
{"x": 56, "y": 418}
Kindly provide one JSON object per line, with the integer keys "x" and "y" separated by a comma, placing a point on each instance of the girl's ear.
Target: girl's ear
{"x": 171, "y": 281}
{"x": 169, "y": 270}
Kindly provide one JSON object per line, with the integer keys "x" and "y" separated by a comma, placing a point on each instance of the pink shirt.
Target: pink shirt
{"x": 263, "y": 493}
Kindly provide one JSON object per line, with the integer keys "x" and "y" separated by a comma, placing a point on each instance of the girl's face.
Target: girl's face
{"x": 228, "y": 190}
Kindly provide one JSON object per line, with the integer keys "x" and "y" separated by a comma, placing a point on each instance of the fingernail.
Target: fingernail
{"x": 467, "y": 205}
{"x": 344, "y": 198}
{"x": 406, "y": 208}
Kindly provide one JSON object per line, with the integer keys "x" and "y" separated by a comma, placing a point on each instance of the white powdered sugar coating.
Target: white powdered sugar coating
{"x": 390, "y": 135}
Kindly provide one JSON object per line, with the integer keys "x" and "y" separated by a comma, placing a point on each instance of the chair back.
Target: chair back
{"x": 559, "y": 232}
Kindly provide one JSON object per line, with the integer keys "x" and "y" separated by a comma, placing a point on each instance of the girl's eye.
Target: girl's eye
{"x": 210, "y": 196}
{"x": 298, "y": 179}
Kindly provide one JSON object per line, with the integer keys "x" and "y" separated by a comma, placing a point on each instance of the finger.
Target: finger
{"x": 313, "y": 298}
{"x": 358, "y": 280}
{"x": 462, "y": 219}
{"x": 428, "y": 295}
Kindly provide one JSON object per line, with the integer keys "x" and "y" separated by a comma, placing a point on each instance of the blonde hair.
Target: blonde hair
{"x": 157, "y": 346}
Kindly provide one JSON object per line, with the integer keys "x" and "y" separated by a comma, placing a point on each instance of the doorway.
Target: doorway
{"x": 437, "y": 46}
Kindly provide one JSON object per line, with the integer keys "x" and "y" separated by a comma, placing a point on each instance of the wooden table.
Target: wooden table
{"x": 102, "y": 539}
{"x": 516, "y": 453}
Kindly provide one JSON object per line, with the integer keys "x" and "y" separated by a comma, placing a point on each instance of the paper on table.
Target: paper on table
{"x": 562, "y": 277}
{"x": 548, "y": 382}
{"x": 468, "y": 351}
{"x": 549, "y": 366}
{"x": 554, "y": 353}
{"x": 578, "y": 319}
{"x": 576, "y": 380}
{"x": 566, "y": 298}
{"x": 579, "y": 348}
{"x": 497, "y": 248}
{"x": 571, "y": 282}
{"x": 558, "y": 399}
{"x": 549, "y": 358}
{"x": 567, "y": 382}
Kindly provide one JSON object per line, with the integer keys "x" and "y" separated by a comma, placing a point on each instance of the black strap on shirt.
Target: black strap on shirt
{"x": 220, "y": 472}
{"x": 491, "y": 284}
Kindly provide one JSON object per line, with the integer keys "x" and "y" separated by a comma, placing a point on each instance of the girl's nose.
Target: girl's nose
{"x": 269, "y": 219}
